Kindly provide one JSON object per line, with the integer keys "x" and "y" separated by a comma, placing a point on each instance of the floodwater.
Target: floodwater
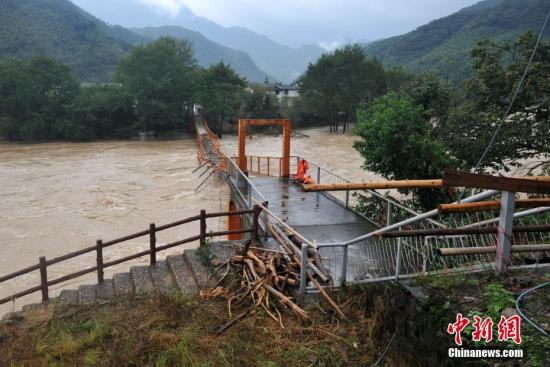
{"x": 61, "y": 197}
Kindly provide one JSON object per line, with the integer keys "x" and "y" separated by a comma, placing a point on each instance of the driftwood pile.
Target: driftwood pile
{"x": 265, "y": 279}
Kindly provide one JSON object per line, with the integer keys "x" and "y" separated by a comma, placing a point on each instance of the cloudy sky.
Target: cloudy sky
{"x": 292, "y": 22}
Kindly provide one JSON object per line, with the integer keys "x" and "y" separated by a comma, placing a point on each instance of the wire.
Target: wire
{"x": 518, "y": 89}
{"x": 518, "y": 302}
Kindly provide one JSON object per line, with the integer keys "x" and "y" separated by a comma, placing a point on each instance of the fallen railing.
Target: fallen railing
{"x": 100, "y": 245}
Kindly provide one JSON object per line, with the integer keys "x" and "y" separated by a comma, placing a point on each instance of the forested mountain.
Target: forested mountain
{"x": 208, "y": 52}
{"x": 62, "y": 31}
{"x": 443, "y": 45}
{"x": 283, "y": 62}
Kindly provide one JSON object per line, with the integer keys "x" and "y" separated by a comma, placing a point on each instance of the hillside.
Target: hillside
{"x": 208, "y": 52}
{"x": 62, "y": 31}
{"x": 282, "y": 62}
{"x": 443, "y": 45}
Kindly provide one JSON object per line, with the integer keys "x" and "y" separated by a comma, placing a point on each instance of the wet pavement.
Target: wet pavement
{"x": 312, "y": 214}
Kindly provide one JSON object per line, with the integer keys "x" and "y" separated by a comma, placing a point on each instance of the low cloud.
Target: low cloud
{"x": 171, "y": 7}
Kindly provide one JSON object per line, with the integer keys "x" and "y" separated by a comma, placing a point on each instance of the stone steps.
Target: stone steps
{"x": 178, "y": 273}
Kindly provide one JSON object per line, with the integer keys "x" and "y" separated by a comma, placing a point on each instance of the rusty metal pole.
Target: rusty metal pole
{"x": 287, "y": 127}
{"x": 505, "y": 227}
{"x": 242, "y": 146}
{"x": 99, "y": 260}
{"x": 44, "y": 278}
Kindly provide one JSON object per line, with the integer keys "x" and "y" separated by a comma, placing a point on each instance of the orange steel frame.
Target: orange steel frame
{"x": 287, "y": 128}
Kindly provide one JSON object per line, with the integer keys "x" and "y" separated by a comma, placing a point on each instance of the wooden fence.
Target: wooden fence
{"x": 43, "y": 264}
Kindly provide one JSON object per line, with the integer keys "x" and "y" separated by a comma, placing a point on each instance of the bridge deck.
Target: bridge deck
{"x": 311, "y": 213}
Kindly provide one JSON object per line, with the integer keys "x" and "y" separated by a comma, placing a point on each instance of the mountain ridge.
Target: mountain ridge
{"x": 61, "y": 30}
{"x": 208, "y": 52}
{"x": 283, "y": 62}
{"x": 443, "y": 45}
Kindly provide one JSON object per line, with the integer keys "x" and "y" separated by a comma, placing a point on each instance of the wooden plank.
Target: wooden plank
{"x": 462, "y": 179}
{"x": 490, "y": 206}
{"x": 489, "y": 250}
{"x": 264, "y": 122}
{"x": 376, "y": 185}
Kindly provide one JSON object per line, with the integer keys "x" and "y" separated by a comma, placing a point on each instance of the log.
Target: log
{"x": 325, "y": 295}
{"x": 490, "y": 206}
{"x": 376, "y": 185}
{"x": 462, "y": 179}
{"x": 286, "y": 301}
{"x": 489, "y": 250}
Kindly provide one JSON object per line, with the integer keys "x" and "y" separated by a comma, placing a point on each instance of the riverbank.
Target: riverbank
{"x": 59, "y": 197}
{"x": 385, "y": 324}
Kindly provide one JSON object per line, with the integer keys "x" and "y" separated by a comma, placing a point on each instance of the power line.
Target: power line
{"x": 520, "y": 85}
{"x": 491, "y": 142}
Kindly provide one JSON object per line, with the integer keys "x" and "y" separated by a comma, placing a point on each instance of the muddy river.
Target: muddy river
{"x": 60, "y": 197}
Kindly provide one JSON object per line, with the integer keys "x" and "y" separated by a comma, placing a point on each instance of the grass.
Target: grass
{"x": 181, "y": 330}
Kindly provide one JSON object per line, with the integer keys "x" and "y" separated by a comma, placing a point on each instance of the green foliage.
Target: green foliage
{"x": 339, "y": 81}
{"x": 220, "y": 93}
{"x": 498, "y": 70}
{"x": 34, "y": 97}
{"x": 498, "y": 299}
{"x": 442, "y": 45}
{"x": 399, "y": 142}
{"x": 207, "y": 52}
{"x": 260, "y": 104}
{"x": 161, "y": 77}
{"x": 60, "y": 30}
{"x": 102, "y": 112}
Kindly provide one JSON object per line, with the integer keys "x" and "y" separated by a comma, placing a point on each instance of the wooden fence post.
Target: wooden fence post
{"x": 44, "y": 278}
{"x": 203, "y": 227}
{"x": 268, "y": 166}
{"x": 99, "y": 257}
{"x": 152, "y": 244}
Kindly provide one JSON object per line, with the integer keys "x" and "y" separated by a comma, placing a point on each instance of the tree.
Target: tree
{"x": 398, "y": 142}
{"x": 161, "y": 77}
{"x": 334, "y": 86}
{"x": 220, "y": 94}
{"x": 101, "y": 112}
{"x": 498, "y": 68}
{"x": 33, "y": 98}
{"x": 260, "y": 104}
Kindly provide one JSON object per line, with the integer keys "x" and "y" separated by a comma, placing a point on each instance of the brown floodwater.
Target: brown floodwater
{"x": 60, "y": 197}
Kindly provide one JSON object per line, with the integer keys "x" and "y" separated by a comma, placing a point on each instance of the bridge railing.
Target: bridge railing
{"x": 99, "y": 267}
{"x": 377, "y": 208}
{"x": 378, "y": 256}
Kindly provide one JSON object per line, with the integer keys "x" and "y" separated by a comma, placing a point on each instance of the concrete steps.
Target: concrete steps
{"x": 183, "y": 273}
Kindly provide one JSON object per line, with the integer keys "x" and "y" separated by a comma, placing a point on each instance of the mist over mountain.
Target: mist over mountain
{"x": 444, "y": 45}
{"x": 283, "y": 62}
{"x": 208, "y": 52}
{"x": 62, "y": 31}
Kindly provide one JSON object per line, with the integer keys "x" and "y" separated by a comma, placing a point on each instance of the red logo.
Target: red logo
{"x": 457, "y": 327}
{"x": 509, "y": 328}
